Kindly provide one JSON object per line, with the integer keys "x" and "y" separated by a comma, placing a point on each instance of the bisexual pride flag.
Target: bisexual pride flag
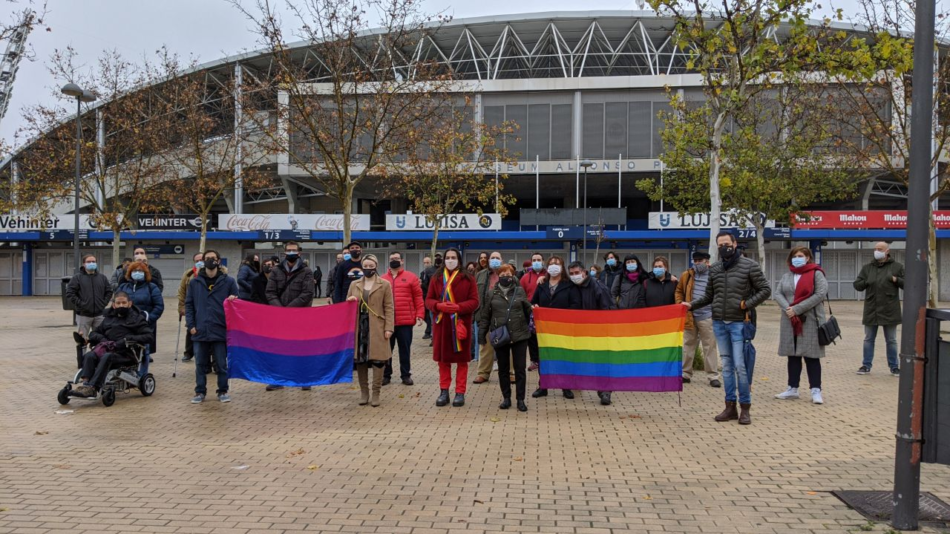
{"x": 615, "y": 350}
{"x": 291, "y": 346}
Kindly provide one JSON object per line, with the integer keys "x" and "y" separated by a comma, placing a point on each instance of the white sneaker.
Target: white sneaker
{"x": 816, "y": 396}
{"x": 788, "y": 394}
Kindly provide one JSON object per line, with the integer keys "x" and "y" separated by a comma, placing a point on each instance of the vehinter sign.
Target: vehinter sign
{"x": 189, "y": 221}
{"x": 34, "y": 223}
{"x": 455, "y": 222}
{"x": 251, "y": 222}
{"x": 671, "y": 220}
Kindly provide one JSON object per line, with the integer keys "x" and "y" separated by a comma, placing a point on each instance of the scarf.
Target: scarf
{"x": 449, "y": 296}
{"x": 804, "y": 289}
{"x": 634, "y": 276}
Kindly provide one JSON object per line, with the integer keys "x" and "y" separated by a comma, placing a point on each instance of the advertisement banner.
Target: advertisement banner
{"x": 33, "y": 223}
{"x": 161, "y": 221}
{"x": 671, "y": 220}
{"x": 250, "y": 222}
{"x": 455, "y": 222}
{"x": 895, "y": 219}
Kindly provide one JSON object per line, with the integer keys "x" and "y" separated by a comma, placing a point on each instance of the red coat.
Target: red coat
{"x": 466, "y": 296}
{"x": 529, "y": 282}
{"x": 407, "y": 297}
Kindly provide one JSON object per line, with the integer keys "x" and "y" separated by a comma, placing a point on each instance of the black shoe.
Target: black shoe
{"x": 430, "y": 343}
{"x": 896, "y": 372}
{"x": 568, "y": 394}
{"x": 305, "y": 388}
{"x": 686, "y": 380}
{"x": 273, "y": 387}
{"x": 605, "y": 398}
{"x": 522, "y": 407}
{"x": 186, "y": 358}
{"x": 459, "y": 400}
{"x": 443, "y": 398}
{"x": 427, "y": 336}
{"x": 715, "y": 384}
{"x": 539, "y": 393}
{"x": 387, "y": 380}
{"x": 505, "y": 404}
{"x": 407, "y": 381}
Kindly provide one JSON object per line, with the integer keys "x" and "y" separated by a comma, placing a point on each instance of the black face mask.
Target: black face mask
{"x": 506, "y": 281}
{"x": 291, "y": 257}
{"x": 355, "y": 254}
{"x": 211, "y": 265}
{"x": 369, "y": 273}
{"x": 395, "y": 264}
{"x": 267, "y": 269}
{"x": 438, "y": 262}
{"x": 726, "y": 252}
{"x": 122, "y": 312}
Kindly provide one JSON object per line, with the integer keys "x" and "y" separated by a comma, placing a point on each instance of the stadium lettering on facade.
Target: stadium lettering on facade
{"x": 460, "y": 221}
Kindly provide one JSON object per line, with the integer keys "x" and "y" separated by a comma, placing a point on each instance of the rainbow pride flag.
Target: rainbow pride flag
{"x": 617, "y": 350}
{"x": 291, "y": 346}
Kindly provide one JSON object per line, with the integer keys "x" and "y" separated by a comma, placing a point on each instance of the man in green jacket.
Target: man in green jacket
{"x": 881, "y": 280}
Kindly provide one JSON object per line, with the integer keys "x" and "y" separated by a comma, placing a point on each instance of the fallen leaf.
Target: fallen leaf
{"x": 312, "y": 467}
{"x": 240, "y": 467}
{"x": 40, "y": 433}
{"x": 64, "y": 412}
{"x": 764, "y": 379}
{"x": 519, "y": 459}
{"x": 622, "y": 417}
{"x": 811, "y": 493}
{"x": 402, "y": 396}
{"x": 354, "y": 388}
{"x": 297, "y": 452}
{"x": 4, "y": 510}
{"x": 479, "y": 502}
{"x": 647, "y": 498}
{"x": 494, "y": 419}
{"x": 418, "y": 394}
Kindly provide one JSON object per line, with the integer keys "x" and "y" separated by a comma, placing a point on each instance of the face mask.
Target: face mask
{"x": 395, "y": 264}
{"x": 91, "y": 266}
{"x": 355, "y": 254}
{"x": 139, "y": 257}
{"x": 631, "y": 267}
{"x": 122, "y": 312}
{"x": 347, "y": 257}
{"x": 593, "y": 273}
{"x": 659, "y": 272}
{"x": 369, "y": 273}
{"x": 138, "y": 276}
{"x": 494, "y": 263}
{"x": 438, "y": 261}
{"x": 879, "y": 255}
{"x": 554, "y": 270}
{"x": 726, "y": 252}
{"x": 537, "y": 266}
{"x": 612, "y": 262}
{"x": 451, "y": 264}
{"x": 700, "y": 268}
{"x": 292, "y": 256}
{"x": 199, "y": 265}
{"x": 267, "y": 269}
{"x": 211, "y": 265}
{"x": 506, "y": 281}
{"x": 577, "y": 279}
{"x": 798, "y": 261}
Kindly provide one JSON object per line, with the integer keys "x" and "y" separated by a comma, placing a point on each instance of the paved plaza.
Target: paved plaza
{"x": 314, "y": 461}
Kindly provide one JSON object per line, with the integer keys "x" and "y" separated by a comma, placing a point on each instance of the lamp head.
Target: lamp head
{"x": 86, "y": 96}
{"x": 587, "y": 163}
{"x": 71, "y": 89}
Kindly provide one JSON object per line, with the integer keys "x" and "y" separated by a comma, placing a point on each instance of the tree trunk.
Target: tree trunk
{"x": 934, "y": 288}
{"x": 204, "y": 233}
{"x": 714, "y": 195}
{"x": 435, "y": 238}
{"x": 347, "y": 212}
{"x": 117, "y": 247}
{"x": 760, "y": 243}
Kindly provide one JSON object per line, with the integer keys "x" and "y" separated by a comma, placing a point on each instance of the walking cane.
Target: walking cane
{"x": 177, "y": 346}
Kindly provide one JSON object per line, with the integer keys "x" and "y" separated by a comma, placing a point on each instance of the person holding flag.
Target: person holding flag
{"x": 452, "y": 299}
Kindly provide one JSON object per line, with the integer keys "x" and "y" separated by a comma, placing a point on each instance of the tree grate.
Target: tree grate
{"x": 879, "y": 506}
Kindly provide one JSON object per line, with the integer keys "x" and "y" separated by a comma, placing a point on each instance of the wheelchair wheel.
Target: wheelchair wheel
{"x": 63, "y": 396}
{"x": 147, "y": 385}
{"x": 108, "y": 397}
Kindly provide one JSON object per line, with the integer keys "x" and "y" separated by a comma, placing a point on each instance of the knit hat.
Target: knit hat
{"x": 370, "y": 257}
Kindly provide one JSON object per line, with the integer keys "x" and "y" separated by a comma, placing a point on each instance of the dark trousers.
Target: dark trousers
{"x": 189, "y": 344}
{"x": 203, "y": 352}
{"x": 428, "y": 331}
{"x": 94, "y": 368}
{"x": 319, "y": 288}
{"x": 517, "y": 352}
{"x": 403, "y": 336}
{"x": 533, "y": 349}
{"x": 813, "y": 366}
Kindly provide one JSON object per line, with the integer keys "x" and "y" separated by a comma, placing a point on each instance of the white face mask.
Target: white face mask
{"x": 554, "y": 270}
{"x": 577, "y": 279}
{"x": 879, "y": 255}
{"x": 139, "y": 257}
{"x": 451, "y": 264}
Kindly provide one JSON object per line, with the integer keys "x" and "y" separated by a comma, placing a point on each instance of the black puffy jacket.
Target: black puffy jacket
{"x": 133, "y": 328}
{"x": 595, "y": 296}
{"x": 89, "y": 293}
{"x": 566, "y": 296}
{"x": 290, "y": 287}
{"x": 660, "y": 292}
{"x": 727, "y": 288}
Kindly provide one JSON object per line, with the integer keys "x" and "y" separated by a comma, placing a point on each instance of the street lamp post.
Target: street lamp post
{"x": 73, "y": 90}
{"x": 585, "y": 165}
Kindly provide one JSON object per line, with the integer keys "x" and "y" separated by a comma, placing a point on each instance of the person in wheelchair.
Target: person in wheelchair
{"x": 123, "y": 324}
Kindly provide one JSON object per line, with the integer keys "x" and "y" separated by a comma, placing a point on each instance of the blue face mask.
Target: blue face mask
{"x": 798, "y": 261}
{"x": 138, "y": 276}
{"x": 631, "y": 267}
{"x": 659, "y": 272}
{"x": 347, "y": 257}
{"x": 199, "y": 265}
{"x": 593, "y": 273}
{"x": 537, "y": 266}
{"x": 91, "y": 266}
{"x": 612, "y": 262}
{"x": 494, "y": 263}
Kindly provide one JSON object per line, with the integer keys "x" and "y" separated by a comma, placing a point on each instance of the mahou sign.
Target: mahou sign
{"x": 865, "y": 219}
{"x": 281, "y": 221}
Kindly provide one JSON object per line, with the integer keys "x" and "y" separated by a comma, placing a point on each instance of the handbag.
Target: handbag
{"x": 829, "y": 331}
{"x": 500, "y": 337}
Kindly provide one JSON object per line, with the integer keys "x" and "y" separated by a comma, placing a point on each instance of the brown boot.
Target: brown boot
{"x": 729, "y": 414}
{"x": 362, "y": 374}
{"x": 744, "y": 417}
{"x": 377, "y": 385}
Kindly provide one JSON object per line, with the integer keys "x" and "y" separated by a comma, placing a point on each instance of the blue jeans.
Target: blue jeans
{"x": 474, "y": 341}
{"x": 734, "y": 373}
{"x": 203, "y": 351}
{"x": 890, "y": 339}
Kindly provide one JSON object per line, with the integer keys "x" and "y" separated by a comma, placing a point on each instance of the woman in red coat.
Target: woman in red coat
{"x": 452, "y": 299}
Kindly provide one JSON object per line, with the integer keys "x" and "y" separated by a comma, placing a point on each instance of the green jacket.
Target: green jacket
{"x": 882, "y": 304}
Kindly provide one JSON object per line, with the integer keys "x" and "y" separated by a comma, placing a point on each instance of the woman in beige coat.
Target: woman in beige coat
{"x": 375, "y": 327}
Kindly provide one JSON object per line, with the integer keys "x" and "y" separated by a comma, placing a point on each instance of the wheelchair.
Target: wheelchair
{"x": 123, "y": 376}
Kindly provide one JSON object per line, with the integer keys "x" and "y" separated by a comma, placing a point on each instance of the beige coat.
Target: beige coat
{"x": 381, "y": 315}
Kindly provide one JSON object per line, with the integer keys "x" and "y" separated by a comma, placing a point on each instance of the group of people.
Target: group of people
{"x": 483, "y": 312}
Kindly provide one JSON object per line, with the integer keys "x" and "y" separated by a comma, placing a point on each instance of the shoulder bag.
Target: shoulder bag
{"x": 829, "y": 331}
{"x": 500, "y": 337}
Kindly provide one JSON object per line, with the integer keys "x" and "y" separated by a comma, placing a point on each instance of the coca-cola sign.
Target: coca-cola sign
{"x": 253, "y": 222}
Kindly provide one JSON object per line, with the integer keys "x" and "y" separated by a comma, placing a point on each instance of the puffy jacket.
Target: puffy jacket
{"x": 566, "y": 296}
{"x": 659, "y": 292}
{"x": 529, "y": 282}
{"x": 407, "y": 297}
{"x": 595, "y": 296}
{"x": 147, "y": 297}
{"x": 245, "y": 280}
{"x": 133, "y": 328}
{"x": 728, "y": 288}
{"x": 496, "y": 309}
{"x": 183, "y": 287}
{"x": 89, "y": 293}
{"x": 882, "y": 304}
{"x": 290, "y": 287}
{"x": 204, "y": 306}
{"x": 483, "y": 281}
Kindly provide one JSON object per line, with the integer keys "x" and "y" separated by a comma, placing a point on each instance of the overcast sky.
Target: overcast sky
{"x": 203, "y": 29}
